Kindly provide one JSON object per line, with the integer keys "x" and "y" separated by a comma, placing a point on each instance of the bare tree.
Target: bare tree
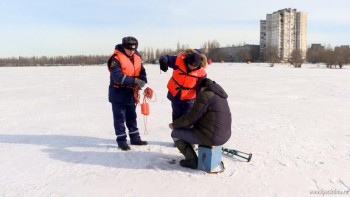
{"x": 296, "y": 58}
{"x": 143, "y": 53}
{"x": 214, "y": 52}
{"x": 157, "y": 53}
{"x": 341, "y": 56}
{"x": 160, "y": 52}
{"x": 314, "y": 55}
{"x": 184, "y": 47}
{"x": 204, "y": 48}
{"x": 152, "y": 55}
{"x": 213, "y": 44}
{"x": 178, "y": 48}
{"x": 271, "y": 55}
{"x": 244, "y": 55}
{"x": 329, "y": 57}
{"x": 149, "y": 54}
{"x": 217, "y": 55}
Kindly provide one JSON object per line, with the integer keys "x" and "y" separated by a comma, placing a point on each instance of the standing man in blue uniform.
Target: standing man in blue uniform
{"x": 127, "y": 75}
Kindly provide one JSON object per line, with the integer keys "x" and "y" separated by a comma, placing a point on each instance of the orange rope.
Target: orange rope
{"x": 145, "y": 124}
{"x": 147, "y": 95}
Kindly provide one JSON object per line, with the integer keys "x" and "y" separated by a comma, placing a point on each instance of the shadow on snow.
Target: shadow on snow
{"x": 96, "y": 151}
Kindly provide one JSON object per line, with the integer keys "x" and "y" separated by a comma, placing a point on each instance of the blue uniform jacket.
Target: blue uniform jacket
{"x": 122, "y": 95}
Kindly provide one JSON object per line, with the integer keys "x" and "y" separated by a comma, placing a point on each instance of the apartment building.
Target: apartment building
{"x": 286, "y": 30}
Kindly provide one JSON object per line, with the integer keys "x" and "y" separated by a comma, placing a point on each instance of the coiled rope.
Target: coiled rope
{"x": 147, "y": 96}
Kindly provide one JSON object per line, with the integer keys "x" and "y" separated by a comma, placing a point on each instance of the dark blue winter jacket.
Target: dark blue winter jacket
{"x": 210, "y": 117}
{"x": 122, "y": 95}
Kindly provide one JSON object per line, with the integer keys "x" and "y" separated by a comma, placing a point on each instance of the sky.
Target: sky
{"x": 94, "y": 27}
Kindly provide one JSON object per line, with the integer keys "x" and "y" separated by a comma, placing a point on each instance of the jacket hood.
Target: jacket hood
{"x": 203, "y": 57}
{"x": 120, "y": 48}
{"x": 217, "y": 89}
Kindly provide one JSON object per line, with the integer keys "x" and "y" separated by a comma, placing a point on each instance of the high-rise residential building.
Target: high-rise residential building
{"x": 286, "y": 30}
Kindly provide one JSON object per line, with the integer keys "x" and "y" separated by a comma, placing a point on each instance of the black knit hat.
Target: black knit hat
{"x": 130, "y": 43}
{"x": 194, "y": 59}
{"x": 205, "y": 83}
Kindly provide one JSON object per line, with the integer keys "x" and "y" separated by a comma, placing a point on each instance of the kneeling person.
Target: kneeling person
{"x": 207, "y": 123}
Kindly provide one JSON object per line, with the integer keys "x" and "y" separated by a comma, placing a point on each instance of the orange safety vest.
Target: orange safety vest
{"x": 128, "y": 68}
{"x": 186, "y": 82}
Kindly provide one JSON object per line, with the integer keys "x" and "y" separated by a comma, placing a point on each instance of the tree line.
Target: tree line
{"x": 209, "y": 48}
{"x": 149, "y": 55}
{"x": 54, "y": 61}
{"x": 331, "y": 57}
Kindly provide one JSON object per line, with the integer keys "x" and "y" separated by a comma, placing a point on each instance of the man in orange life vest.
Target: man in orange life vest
{"x": 126, "y": 74}
{"x": 188, "y": 72}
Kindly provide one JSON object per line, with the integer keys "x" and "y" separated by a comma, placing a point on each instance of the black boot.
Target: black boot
{"x": 193, "y": 164}
{"x": 135, "y": 139}
{"x": 124, "y": 146}
{"x": 191, "y": 159}
{"x": 140, "y": 142}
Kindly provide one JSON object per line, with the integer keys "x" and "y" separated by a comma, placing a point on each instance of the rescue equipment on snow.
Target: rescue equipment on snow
{"x": 145, "y": 109}
{"x": 147, "y": 95}
{"x": 238, "y": 153}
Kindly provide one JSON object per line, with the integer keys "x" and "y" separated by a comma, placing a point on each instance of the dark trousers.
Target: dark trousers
{"x": 125, "y": 114}
{"x": 186, "y": 135}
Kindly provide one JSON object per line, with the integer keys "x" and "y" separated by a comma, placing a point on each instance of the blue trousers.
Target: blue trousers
{"x": 125, "y": 114}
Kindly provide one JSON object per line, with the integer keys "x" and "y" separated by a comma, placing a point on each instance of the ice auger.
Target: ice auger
{"x": 246, "y": 156}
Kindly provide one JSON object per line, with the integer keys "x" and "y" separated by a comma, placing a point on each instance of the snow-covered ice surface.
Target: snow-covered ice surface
{"x": 57, "y": 136}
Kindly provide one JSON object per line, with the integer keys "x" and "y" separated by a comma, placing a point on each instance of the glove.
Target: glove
{"x": 163, "y": 64}
{"x": 140, "y": 83}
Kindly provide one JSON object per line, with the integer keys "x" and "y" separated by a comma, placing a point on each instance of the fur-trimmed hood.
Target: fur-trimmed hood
{"x": 203, "y": 57}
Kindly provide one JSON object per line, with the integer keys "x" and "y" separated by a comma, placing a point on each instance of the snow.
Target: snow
{"x": 57, "y": 136}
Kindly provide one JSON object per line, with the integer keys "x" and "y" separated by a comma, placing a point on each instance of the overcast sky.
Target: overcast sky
{"x": 71, "y": 27}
